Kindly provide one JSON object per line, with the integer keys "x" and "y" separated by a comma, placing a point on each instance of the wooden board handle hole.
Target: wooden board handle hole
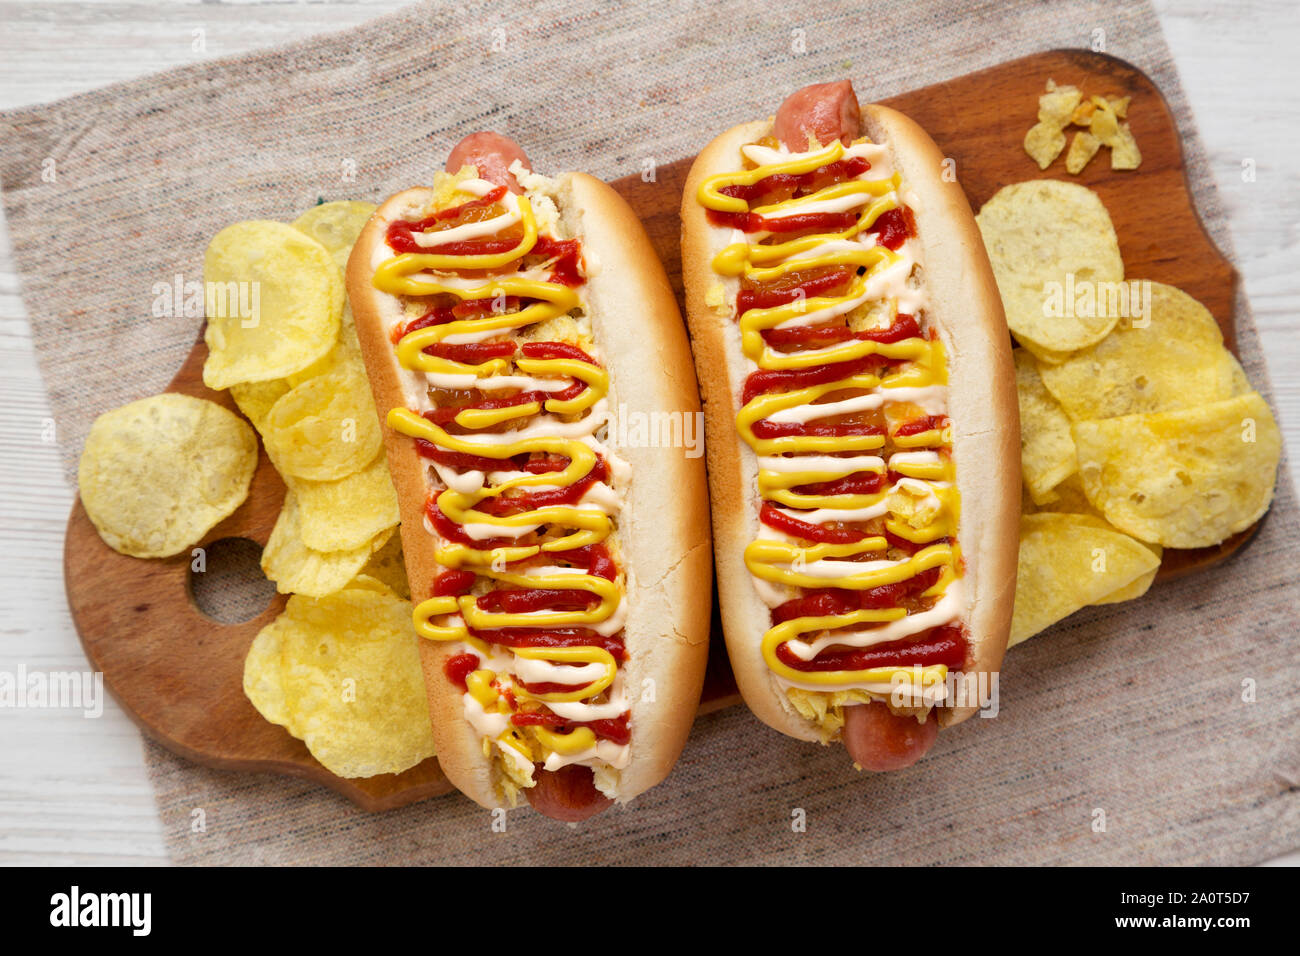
{"x": 225, "y": 582}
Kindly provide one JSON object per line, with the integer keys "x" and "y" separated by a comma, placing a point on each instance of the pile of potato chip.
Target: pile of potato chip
{"x": 1139, "y": 432}
{"x": 339, "y": 668}
{"x": 1063, "y": 106}
{"x": 297, "y": 373}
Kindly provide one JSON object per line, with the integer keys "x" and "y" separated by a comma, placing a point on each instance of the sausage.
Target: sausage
{"x": 492, "y": 154}
{"x": 568, "y": 794}
{"x": 826, "y": 110}
{"x": 878, "y": 739}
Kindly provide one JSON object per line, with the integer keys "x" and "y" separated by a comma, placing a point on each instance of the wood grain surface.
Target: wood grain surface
{"x": 178, "y": 673}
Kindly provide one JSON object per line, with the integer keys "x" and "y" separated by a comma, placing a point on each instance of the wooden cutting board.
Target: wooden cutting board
{"x": 178, "y": 673}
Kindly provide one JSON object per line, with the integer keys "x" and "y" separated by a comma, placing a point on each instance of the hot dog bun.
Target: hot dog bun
{"x": 663, "y": 526}
{"x": 964, "y": 307}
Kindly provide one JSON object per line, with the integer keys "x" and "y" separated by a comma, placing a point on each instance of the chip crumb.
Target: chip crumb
{"x": 1124, "y": 153}
{"x": 1044, "y": 143}
{"x": 1062, "y": 106}
{"x": 1083, "y": 147}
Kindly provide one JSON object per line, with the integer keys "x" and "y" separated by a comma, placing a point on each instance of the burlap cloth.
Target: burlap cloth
{"x": 1134, "y": 709}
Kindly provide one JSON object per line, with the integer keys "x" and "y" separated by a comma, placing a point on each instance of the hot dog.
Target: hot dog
{"x": 861, "y": 421}
{"x": 562, "y": 584}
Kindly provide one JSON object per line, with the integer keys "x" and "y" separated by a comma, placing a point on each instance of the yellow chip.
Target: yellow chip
{"x": 1139, "y": 585}
{"x": 262, "y": 680}
{"x": 296, "y": 568}
{"x": 1046, "y": 448}
{"x": 325, "y": 428}
{"x": 1067, "y": 562}
{"x": 353, "y": 682}
{"x": 389, "y": 566}
{"x": 156, "y": 475}
{"x": 1053, "y": 250}
{"x": 255, "y": 399}
{"x": 345, "y": 514}
{"x": 1120, "y": 105}
{"x": 344, "y": 357}
{"x": 1027, "y": 504}
{"x": 1083, "y": 147}
{"x": 1068, "y": 498}
{"x": 336, "y": 225}
{"x": 1171, "y": 356}
{"x": 1044, "y": 356}
{"x": 1058, "y": 104}
{"x": 364, "y": 582}
{"x": 274, "y": 299}
{"x": 1044, "y": 143}
{"x": 1103, "y": 123}
{"x": 1182, "y": 479}
{"x": 1124, "y": 152}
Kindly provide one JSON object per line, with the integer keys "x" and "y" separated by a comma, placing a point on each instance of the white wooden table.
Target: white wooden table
{"x": 74, "y": 790}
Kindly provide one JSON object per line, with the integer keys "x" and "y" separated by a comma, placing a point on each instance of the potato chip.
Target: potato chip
{"x": 1051, "y": 244}
{"x": 1182, "y": 479}
{"x": 336, "y": 225}
{"x": 1067, "y": 562}
{"x": 1044, "y": 143}
{"x": 1058, "y": 103}
{"x": 1083, "y": 147}
{"x": 1068, "y": 498}
{"x": 274, "y": 298}
{"x": 1120, "y": 105}
{"x": 1046, "y": 448}
{"x": 1044, "y": 356}
{"x": 325, "y": 428}
{"x": 344, "y": 357}
{"x": 1139, "y": 585}
{"x": 256, "y": 398}
{"x": 1103, "y": 123}
{"x": 262, "y": 681}
{"x": 1124, "y": 152}
{"x": 389, "y": 566}
{"x": 296, "y": 568}
{"x": 343, "y": 674}
{"x": 364, "y": 582}
{"x": 345, "y": 514}
{"x": 353, "y": 683}
{"x": 156, "y": 475}
{"x": 1171, "y": 358}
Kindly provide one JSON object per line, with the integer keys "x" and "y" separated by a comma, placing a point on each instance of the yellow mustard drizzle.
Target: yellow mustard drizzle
{"x": 408, "y": 275}
{"x": 784, "y": 563}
